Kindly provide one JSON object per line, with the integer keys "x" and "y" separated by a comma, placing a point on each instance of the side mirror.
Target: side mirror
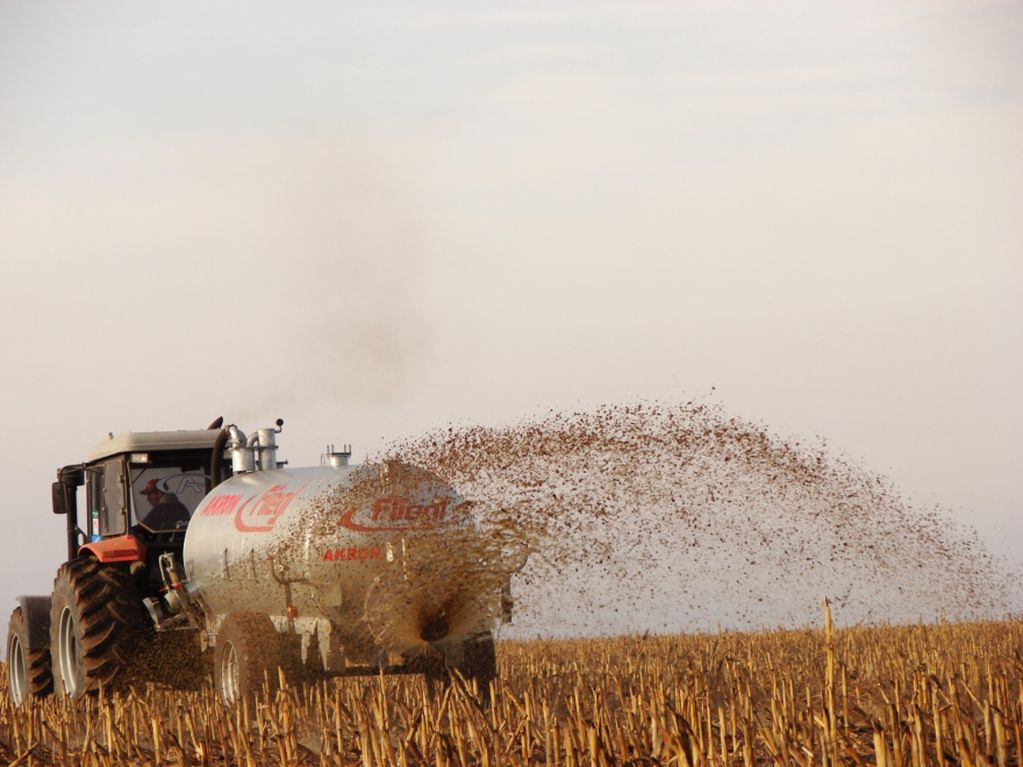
{"x": 60, "y": 498}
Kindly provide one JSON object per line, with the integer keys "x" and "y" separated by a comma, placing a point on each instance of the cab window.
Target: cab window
{"x": 106, "y": 499}
{"x": 164, "y": 497}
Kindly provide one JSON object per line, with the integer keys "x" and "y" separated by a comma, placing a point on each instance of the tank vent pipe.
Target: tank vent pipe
{"x": 336, "y": 458}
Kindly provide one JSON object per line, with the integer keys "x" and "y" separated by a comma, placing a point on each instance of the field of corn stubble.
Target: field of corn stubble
{"x": 919, "y": 695}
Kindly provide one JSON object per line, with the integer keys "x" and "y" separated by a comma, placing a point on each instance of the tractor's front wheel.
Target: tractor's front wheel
{"x": 98, "y": 628}
{"x": 248, "y": 652}
{"x": 28, "y": 670}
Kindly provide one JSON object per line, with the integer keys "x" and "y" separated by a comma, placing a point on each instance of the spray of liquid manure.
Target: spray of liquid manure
{"x": 667, "y": 518}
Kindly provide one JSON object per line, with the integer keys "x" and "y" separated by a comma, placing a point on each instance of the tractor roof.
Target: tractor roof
{"x": 142, "y": 441}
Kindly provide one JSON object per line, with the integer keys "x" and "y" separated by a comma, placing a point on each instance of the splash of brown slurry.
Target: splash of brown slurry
{"x": 678, "y": 517}
{"x": 433, "y": 578}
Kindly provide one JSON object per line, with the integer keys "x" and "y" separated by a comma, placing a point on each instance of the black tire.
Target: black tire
{"x": 248, "y": 651}
{"x": 28, "y": 671}
{"x": 479, "y": 665}
{"x": 99, "y": 630}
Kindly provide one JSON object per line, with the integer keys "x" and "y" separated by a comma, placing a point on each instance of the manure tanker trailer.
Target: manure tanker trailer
{"x": 199, "y": 553}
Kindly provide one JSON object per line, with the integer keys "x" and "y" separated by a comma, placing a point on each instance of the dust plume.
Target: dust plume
{"x": 312, "y": 245}
{"x": 359, "y": 323}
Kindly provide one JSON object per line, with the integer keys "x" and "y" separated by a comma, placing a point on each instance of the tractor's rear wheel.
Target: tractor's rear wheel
{"x": 28, "y": 670}
{"x": 98, "y": 628}
{"x": 248, "y": 652}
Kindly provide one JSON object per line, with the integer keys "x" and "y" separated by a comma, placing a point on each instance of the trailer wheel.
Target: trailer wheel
{"x": 28, "y": 671}
{"x": 248, "y": 651}
{"x": 98, "y": 627}
{"x": 479, "y": 664}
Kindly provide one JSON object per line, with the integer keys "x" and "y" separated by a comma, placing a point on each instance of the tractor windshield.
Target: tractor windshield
{"x": 164, "y": 497}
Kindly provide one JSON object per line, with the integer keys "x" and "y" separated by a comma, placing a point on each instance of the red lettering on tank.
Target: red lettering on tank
{"x": 353, "y": 554}
{"x": 269, "y": 507}
{"x": 394, "y": 514}
{"x": 221, "y": 506}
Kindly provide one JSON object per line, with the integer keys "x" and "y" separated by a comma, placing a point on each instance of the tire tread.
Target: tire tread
{"x": 38, "y": 671}
{"x": 112, "y": 626}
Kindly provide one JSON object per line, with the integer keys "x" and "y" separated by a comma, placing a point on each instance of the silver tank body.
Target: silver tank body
{"x": 386, "y": 553}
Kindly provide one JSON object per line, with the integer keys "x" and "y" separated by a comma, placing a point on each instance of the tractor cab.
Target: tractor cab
{"x": 140, "y": 490}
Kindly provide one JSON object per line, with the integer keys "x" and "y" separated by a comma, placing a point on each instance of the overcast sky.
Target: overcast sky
{"x": 372, "y": 219}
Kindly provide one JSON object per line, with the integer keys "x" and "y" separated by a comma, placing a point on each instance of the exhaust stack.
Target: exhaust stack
{"x": 257, "y": 452}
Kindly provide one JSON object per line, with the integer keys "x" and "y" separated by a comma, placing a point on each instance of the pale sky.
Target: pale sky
{"x": 372, "y": 219}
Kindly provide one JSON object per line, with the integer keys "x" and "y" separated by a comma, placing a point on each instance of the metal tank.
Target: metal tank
{"x": 375, "y": 564}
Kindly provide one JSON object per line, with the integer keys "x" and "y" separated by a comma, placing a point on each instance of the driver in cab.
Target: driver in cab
{"x": 168, "y": 513}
